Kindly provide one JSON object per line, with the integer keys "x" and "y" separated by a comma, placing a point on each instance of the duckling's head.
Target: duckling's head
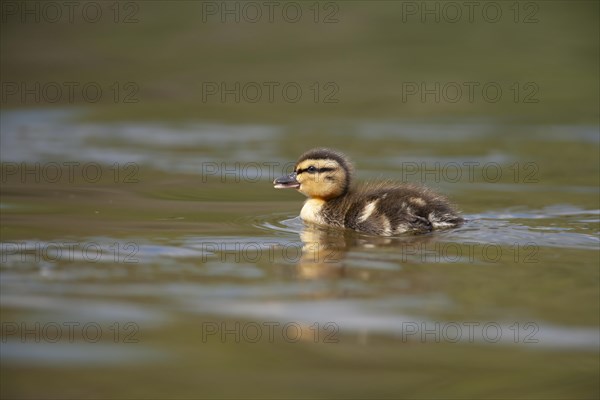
{"x": 319, "y": 173}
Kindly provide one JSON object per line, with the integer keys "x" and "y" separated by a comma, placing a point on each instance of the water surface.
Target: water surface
{"x": 167, "y": 250}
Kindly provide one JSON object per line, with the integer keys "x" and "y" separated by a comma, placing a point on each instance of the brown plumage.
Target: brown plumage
{"x": 382, "y": 208}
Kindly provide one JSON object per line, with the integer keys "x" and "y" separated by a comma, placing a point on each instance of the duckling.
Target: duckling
{"x": 383, "y": 208}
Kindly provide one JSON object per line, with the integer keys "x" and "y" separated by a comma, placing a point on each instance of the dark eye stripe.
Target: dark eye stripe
{"x": 319, "y": 170}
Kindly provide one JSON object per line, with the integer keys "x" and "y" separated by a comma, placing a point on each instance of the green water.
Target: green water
{"x": 145, "y": 252}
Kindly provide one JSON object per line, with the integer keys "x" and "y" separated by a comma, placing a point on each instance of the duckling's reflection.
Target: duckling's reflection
{"x": 326, "y": 251}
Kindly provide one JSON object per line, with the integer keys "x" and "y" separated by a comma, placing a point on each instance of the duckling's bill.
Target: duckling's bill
{"x": 287, "y": 182}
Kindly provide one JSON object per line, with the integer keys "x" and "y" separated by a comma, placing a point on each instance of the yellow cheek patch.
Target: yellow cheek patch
{"x": 321, "y": 178}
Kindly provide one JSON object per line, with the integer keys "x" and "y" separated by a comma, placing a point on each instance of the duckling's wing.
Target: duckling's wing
{"x": 426, "y": 204}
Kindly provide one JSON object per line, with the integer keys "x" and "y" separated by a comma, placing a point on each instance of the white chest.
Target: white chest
{"x": 310, "y": 211}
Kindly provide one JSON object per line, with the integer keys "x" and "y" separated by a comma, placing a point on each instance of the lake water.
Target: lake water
{"x": 155, "y": 259}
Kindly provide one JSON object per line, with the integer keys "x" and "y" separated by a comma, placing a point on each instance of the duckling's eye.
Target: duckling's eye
{"x": 312, "y": 169}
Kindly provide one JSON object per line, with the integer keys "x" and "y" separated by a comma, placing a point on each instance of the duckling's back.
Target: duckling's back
{"x": 390, "y": 209}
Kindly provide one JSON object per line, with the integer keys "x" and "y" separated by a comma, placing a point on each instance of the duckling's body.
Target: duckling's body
{"x": 385, "y": 208}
